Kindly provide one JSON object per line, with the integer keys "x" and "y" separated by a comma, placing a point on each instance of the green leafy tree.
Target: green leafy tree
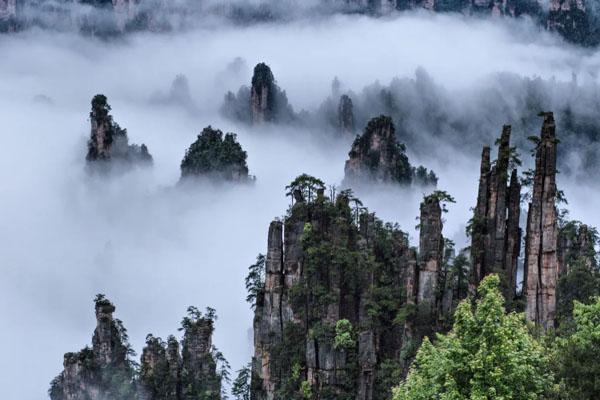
{"x": 255, "y": 280}
{"x": 578, "y": 355}
{"x": 488, "y": 354}
{"x": 344, "y": 335}
{"x": 307, "y": 186}
{"x": 240, "y": 389}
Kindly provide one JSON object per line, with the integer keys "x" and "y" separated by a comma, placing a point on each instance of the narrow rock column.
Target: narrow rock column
{"x": 346, "y": 116}
{"x": 513, "y": 234}
{"x": 106, "y": 337}
{"x": 268, "y": 322}
{"x": 541, "y": 243}
{"x": 262, "y": 94}
{"x": 411, "y": 288}
{"x": 479, "y": 218}
{"x": 497, "y": 211}
{"x": 431, "y": 247}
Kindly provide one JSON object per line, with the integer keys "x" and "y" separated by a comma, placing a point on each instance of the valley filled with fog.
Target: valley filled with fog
{"x": 154, "y": 247}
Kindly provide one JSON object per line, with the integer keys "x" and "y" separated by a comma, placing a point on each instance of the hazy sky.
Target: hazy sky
{"x": 154, "y": 249}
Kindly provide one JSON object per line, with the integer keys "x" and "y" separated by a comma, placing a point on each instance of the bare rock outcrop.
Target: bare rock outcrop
{"x": 541, "y": 244}
{"x": 109, "y": 145}
{"x": 376, "y": 156}
{"x": 495, "y": 231}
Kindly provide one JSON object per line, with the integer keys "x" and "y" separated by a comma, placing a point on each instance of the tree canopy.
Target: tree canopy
{"x": 488, "y": 354}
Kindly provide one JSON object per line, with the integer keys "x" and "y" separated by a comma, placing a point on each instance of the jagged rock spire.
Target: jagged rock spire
{"x": 108, "y": 141}
{"x": 495, "y": 226}
{"x": 345, "y": 115}
{"x": 376, "y": 156}
{"x": 106, "y": 339}
{"x": 541, "y": 259}
{"x": 513, "y": 235}
{"x": 431, "y": 249}
{"x": 262, "y": 97}
{"x": 104, "y": 371}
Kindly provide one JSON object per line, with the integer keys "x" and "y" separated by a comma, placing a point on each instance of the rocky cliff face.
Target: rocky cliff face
{"x": 496, "y": 235}
{"x": 377, "y": 157}
{"x": 541, "y": 258}
{"x": 336, "y": 279}
{"x": 106, "y": 371}
{"x": 216, "y": 157}
{"x": 576, "y": 243}
{"x": 576, "y": 20}
{"x": 570, "y": 18}
{"x": 109, "y": 145}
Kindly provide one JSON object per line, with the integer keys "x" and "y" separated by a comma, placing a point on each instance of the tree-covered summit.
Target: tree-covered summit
{"x": 215, "y": 156}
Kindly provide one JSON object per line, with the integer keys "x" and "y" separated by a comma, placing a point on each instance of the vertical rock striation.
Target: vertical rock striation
{"x": 541, "y": 258}
{"x": 431, "y": 249}
{"x": 495, "y": 232}
{"x": 315, "y": 283}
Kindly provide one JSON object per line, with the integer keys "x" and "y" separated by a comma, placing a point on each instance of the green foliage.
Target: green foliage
{"x": 488, "y": 354}
{"x": 306, "y": 390}
{"x": 440, "y": 196}
{"x": 255, "y": 281}
{"x": 581, "y": 284}
{"x": 215, "y": 156}
{"x": 307, "y": 186}
{"x": 195, "y": 316}
{"x": 240, "y": 389}
{"x": 344, "y": 335}
{"x": 577, "y": 356}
